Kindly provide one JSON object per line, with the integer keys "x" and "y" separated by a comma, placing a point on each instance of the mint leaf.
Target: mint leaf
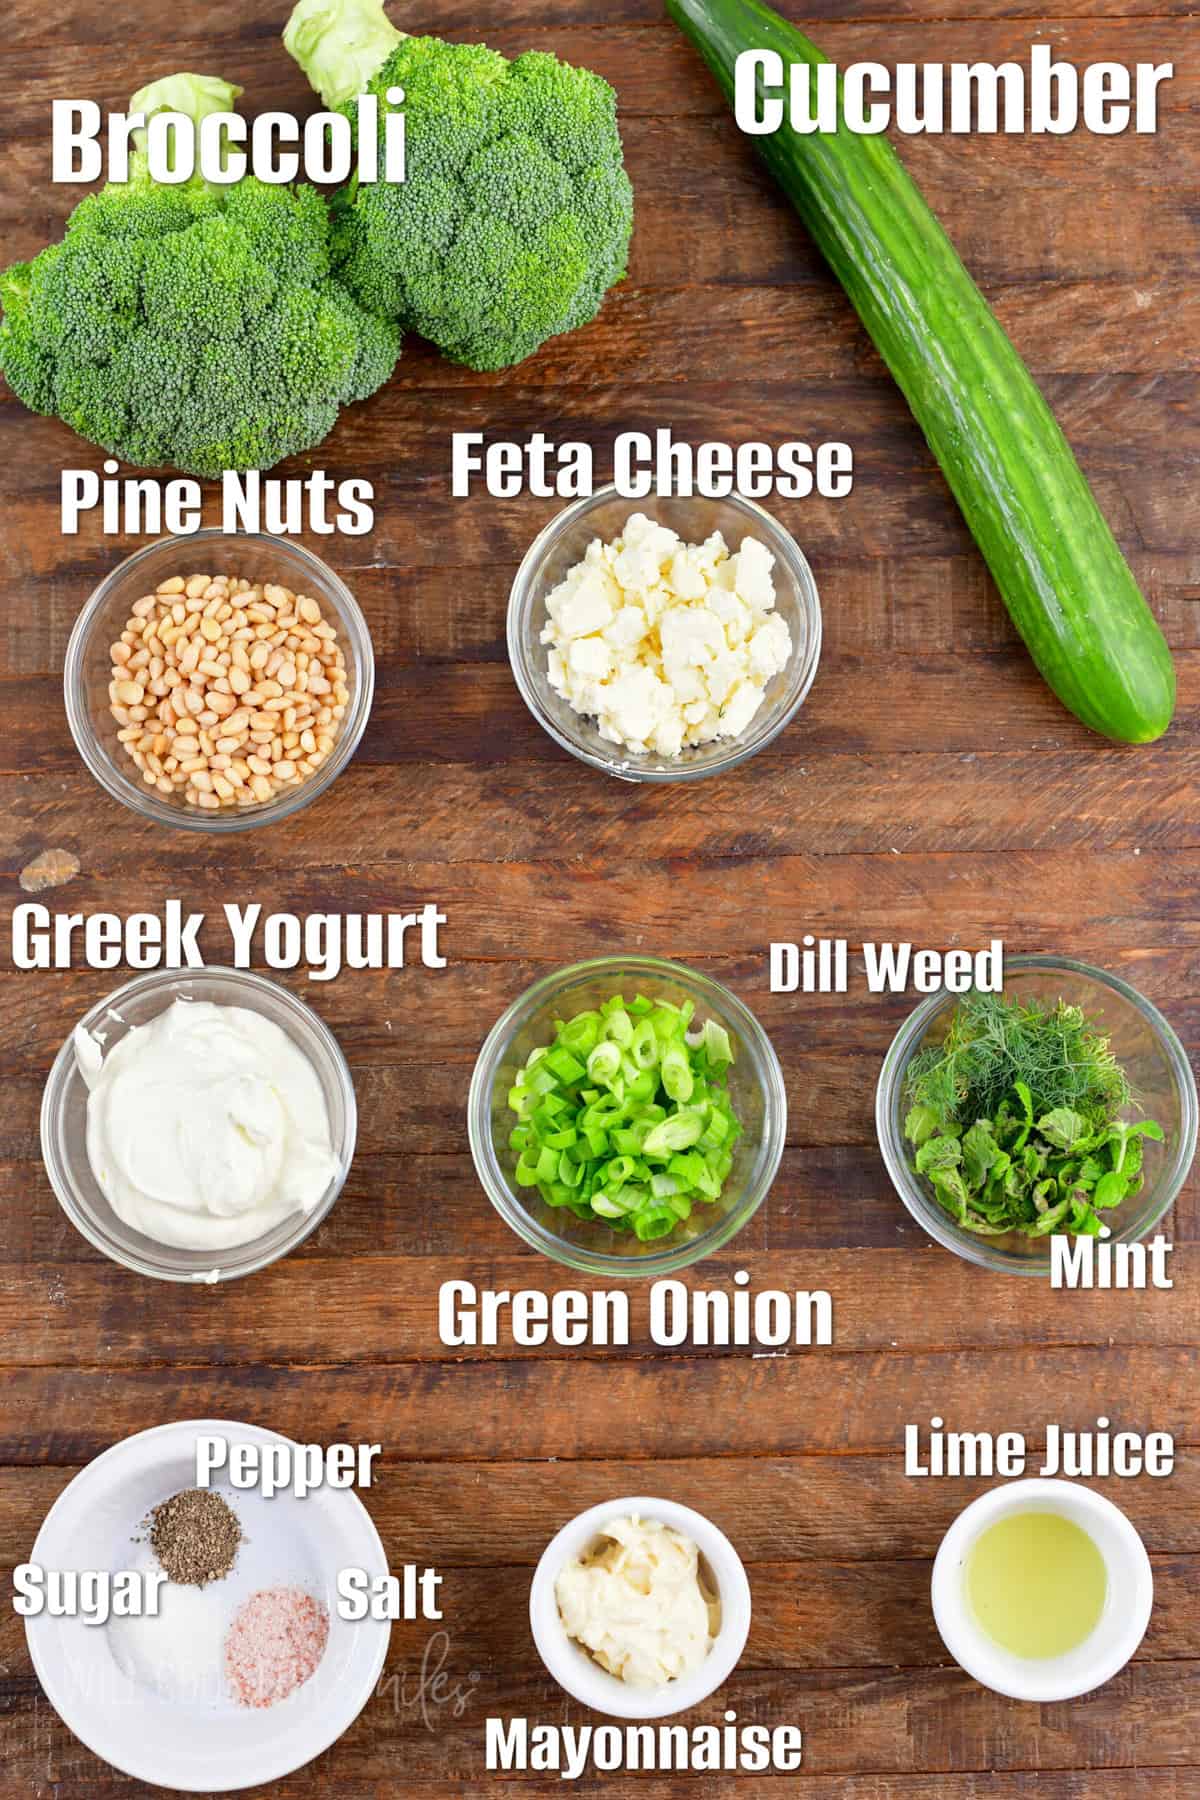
{"x": 920, "y": 1124}
{"x": 1110, "y": 1190}
{"x": 979, "y": 1150}
{"x": 1064, "y": 1128}
{"x": 938, "y": 1153}
{"x": 1049, "y": 1221}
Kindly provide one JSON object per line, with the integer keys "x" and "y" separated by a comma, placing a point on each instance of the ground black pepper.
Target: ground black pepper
{"x": 195, "y": 1536}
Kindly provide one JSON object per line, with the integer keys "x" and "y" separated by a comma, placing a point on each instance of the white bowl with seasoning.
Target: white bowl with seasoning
{"x": 205, "y": 1744}
{"x": 88, "y": 670}
{"x": 1110, "y": 1591}
{"x": 579, "y": 1673}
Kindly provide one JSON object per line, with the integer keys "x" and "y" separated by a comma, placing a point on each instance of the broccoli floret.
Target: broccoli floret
{"x": 192, "y": 327}
{"x": 515, "y": 216}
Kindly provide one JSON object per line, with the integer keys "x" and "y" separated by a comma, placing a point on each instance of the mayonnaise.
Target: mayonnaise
{"x": 205, "y": 1127}
{"x": 637, "y": 1604}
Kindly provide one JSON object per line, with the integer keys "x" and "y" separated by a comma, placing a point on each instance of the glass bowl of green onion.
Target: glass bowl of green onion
{"x": 627, "y": 1116}
{"x": 1061, "y": 1108}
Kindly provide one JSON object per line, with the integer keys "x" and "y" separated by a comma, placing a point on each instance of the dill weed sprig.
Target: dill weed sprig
{"x": 995, "y": 1042}
{"x": 1015, "y": 1118}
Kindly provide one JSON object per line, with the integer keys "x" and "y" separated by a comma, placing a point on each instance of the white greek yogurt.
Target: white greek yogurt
{"x": 206, "y": 1127}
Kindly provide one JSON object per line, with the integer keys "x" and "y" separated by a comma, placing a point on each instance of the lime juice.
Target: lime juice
{"x": 1036, "y": 1583}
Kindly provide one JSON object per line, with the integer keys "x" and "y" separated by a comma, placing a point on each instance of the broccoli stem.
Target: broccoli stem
{"x": 195, "y": 96}
{"x": 341, "y": 45}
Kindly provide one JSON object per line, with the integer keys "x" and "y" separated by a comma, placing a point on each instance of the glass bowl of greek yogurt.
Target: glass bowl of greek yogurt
{"x": 652, "y": 642}
{"x": 198, "y": 1125}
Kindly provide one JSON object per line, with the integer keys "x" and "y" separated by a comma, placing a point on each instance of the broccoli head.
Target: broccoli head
{"x": 192, "y": 327}
{"x": 515, "y": 217}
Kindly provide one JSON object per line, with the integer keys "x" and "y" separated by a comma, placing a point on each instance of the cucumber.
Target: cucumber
{"x": 1068, "y": 588}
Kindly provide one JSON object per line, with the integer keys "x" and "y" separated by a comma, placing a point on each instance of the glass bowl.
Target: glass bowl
{"x": 64, "y": 1123}
{"x": 1159, "y": 1074}
{"x": 755, "y": 1086}
{"x": 88, "y": 668}
{"x": 563, "y": 543}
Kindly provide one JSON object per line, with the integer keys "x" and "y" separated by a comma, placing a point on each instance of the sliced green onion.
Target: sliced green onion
{"x": 619, "y": 1027}
{"x": 677, "y": 1075}
{"x": 566, "y": 1067}
{"x": 655, "y": 1221}
{"x": 581, "y": 1034}
{"x": 678, "y": 1132}
{"x": 604, "y": 1063}
{"x": 626, "y": 1115}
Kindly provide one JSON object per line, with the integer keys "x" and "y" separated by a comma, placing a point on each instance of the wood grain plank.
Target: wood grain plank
{"x": 1102, "y": 903}
{"x": 797, "y": 1510}
{"x": 835, "y": 802}
{"x": 90, "y": 22}
{"x": 353, "y": 1775}
{"x": 937, "y": 622}
{"x": 809, "y": 1616}
{"x": 382, "y": 1307}
{"x": 514, "y": 1411}
{"x": 410, "y": 1106}
{"x": 830, "y": 1198}
{"x": 855, "y": 1722}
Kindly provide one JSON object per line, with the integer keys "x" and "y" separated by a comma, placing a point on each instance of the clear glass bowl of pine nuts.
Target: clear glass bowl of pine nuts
{"x": 219, "y": 681}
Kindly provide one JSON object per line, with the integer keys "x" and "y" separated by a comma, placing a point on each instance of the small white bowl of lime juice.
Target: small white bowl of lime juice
{"x": 1042, "y": 1590}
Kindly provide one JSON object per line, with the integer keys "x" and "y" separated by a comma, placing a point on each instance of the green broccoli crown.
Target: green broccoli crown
{"x": 191, "y": 327}
{"x": 515, "y": 217}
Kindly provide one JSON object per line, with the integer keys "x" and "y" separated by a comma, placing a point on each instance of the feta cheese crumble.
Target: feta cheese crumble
{"x": 666, "y": 644}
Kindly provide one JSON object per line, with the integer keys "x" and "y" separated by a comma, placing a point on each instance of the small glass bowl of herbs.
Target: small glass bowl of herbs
{"x": 627, "y": 1116}
{"x": 1065, "y": 1104}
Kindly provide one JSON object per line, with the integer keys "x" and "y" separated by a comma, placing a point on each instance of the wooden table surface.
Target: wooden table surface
{"x": 932, "y": 789}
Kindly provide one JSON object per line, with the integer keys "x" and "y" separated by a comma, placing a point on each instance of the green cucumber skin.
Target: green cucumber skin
{"x": 1071, "y": 594}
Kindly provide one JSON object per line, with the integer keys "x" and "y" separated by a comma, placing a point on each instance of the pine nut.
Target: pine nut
{"x": 224, "y": 690}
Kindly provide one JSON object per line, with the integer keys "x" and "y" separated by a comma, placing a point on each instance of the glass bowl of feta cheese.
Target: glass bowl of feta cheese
{"x": 667, "y": 639}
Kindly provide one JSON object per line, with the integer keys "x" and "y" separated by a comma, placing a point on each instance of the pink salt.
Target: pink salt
{"x": 274, "y": 1644}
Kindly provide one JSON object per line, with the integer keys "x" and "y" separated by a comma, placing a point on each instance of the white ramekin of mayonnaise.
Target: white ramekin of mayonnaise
{"x": 640, "y": 1608}
{"x": 198, "y": 1125}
